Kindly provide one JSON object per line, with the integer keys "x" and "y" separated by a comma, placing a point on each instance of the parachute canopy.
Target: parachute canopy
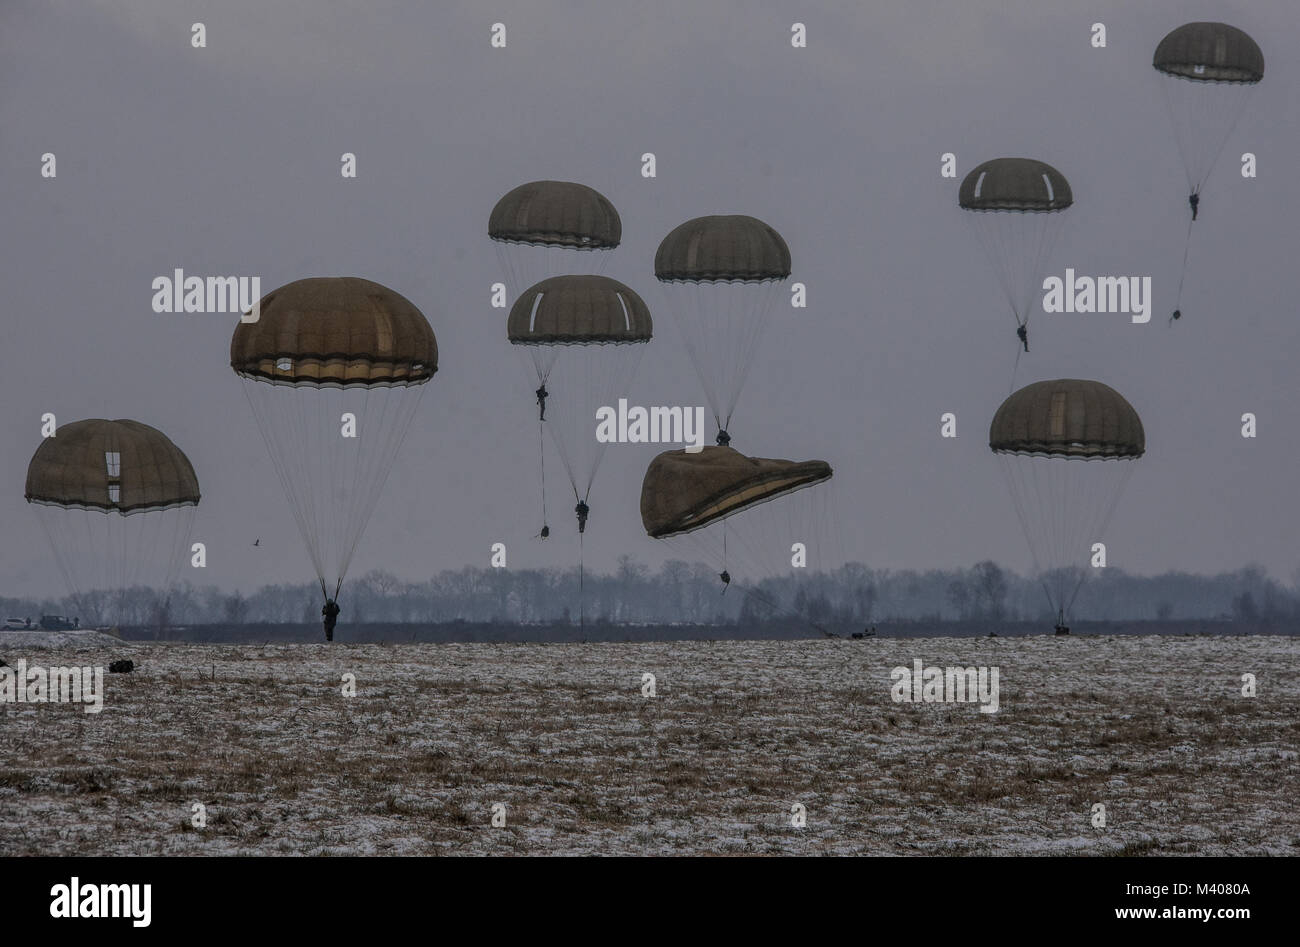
{"x": 1067, "y": 448}
{"x": 558, "y": 214}
{"x": 338, "y": 331}
{"x": 1015, "y": 184}
{"x": 322, "y": 349}
{"x": 118, "y": 568}
{"x": 578, "y": 310}
{"x": 1015, "y": 206}
{"x": 1210, "y": 52}
{"x": 732, "y": 248}
{"x": 1067, "y": 417}
{"x": 684, "y": 492}
{"x": 112, "y": 466}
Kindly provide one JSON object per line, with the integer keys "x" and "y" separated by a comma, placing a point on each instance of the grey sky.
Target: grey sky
{"x": 226, "y": 161}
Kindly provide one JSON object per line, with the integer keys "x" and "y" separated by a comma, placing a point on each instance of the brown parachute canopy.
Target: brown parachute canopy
{"x": 87, "y": 463}
{"x": 1068, "y": 417}
{"x": 722, "y": 249}
{"x": 684, "y": 492}
{"x": 1015, "y": 184}
{"x": 1210, "y": 52}
{"x": 336, "y": 331}
{"x": 556, "y": 214}
{"x": 578, "y": 310}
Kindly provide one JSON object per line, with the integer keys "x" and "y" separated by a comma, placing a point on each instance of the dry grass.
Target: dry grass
{"x": 1154, "y": 728}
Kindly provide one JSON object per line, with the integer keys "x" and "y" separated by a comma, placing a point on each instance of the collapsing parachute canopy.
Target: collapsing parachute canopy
{"x": 556, "y": 213}
{"x": 1066, "y": 448}
{"x": 733, "y": 248}
{"x": 683, "y": 492}
{"x": 1210, "y": 52}
{"x": 118, "y": 466}
{"x": 335, "y": 331}
{"x": 1067, "y": 418}
{"x": 116, "y": 500}
{"x": 578, "y": 310}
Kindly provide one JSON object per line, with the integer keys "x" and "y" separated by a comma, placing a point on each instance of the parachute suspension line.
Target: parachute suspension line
{"x": 1204, "y": 116}
{"x": 391, "y": 435}
{"x": 749, "y": 346}
{"x": 582, "y": 592}
{"x": 721, "y": 324}
{"x": 1018, "y": 501}
{"x": 542, "y": 361}
{"x": 1108, "y": 506}
{"x": 260, "y": 403}
{"x": 725, "y": 574}
{"x": 1064, "y": 506}
{"x": 1182, "y": 274}
{"x": 541, "y": 463}
{"x": 300, "y": 426}
{"x": 1017, "y": 244}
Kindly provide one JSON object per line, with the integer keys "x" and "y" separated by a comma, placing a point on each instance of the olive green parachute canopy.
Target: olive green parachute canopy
{"x": 114, "y": 466}
{"x": 556, "y": 214}
{"x": 578, "y": 310}
{"x": 722, "y": 249}
{"x": 684, "y": 492}
{"x": 336, "y": 331}
{"x": 1015, "y": 184}
{"x": 1210, "y": 52}
{"x": 1067, "y": 417}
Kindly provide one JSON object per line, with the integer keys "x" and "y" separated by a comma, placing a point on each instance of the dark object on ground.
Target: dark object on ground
{"x": 121, "y": 667}
{"x": 993, "y": 634}
{"x": 3, "y": 664}
{"x": 1062, "y": 629}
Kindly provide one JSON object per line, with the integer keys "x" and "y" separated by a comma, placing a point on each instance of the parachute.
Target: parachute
{"x": 1016, "y": 206}
{"x": 683, "y": 492}
{"x": 588, "y": 333}
{"x": 323, "y": 349}
{"x": 551, "y": 228}
{"x": 1208, "y": 71}
{"x": 546, "y": 228}
{"x": 740, "y": 514}
{"x": 1066, "y": 448}
{"x": 720, "y": 276}
{"x": 116, "y": 500}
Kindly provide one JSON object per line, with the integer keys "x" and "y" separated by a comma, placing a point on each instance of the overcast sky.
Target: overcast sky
{"x": 225, "y": 160}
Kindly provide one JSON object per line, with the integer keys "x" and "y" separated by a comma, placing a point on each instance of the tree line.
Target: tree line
{"x": 691, "y": 593}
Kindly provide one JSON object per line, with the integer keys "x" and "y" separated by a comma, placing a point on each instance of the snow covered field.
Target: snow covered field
{"x": 1155, "y": 729}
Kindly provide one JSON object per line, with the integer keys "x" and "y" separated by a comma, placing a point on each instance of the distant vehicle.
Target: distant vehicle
{"x": 17, "y": 624}
{"x": 59, "y": 623}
